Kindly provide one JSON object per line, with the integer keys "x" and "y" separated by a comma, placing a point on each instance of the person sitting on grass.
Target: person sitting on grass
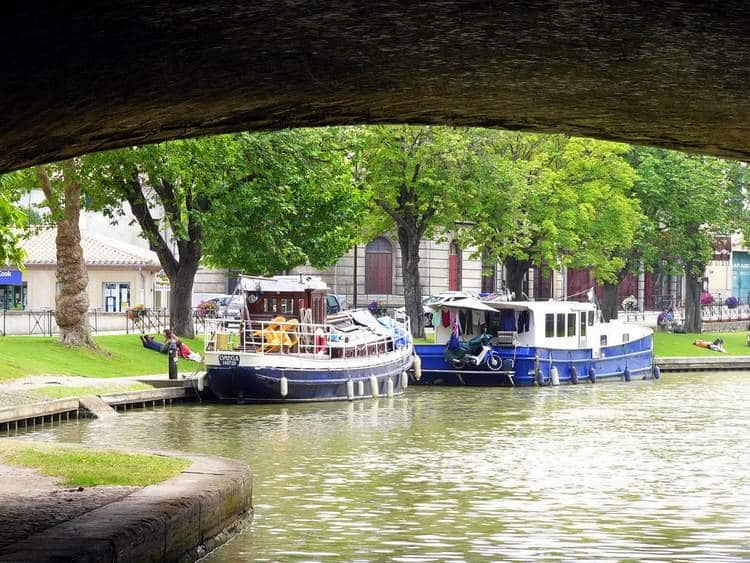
{"x": 151, "y": 343}
{"x": 170, "y": 337}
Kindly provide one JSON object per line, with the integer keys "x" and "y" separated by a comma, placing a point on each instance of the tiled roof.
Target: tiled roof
{"x": 97, "y": 251}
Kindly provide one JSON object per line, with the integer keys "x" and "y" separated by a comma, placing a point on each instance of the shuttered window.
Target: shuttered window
{"x": 379, "y": 267}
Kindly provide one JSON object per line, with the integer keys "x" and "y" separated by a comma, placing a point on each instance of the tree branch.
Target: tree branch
{"x": 44, "y": 182}
{"x": 142, "y": 213}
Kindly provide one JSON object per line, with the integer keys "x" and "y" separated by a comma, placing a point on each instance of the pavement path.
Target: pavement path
{"x": 31, "y": 502}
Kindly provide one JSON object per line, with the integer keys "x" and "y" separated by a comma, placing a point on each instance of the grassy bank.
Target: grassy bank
{"x": 79, "y": 467}
{"x": 670, "y": 345}
{"x": 122, "y": 355}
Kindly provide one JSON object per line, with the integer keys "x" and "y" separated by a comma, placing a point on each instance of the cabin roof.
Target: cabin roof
{"x": 282, "y": 284}
{"x": 544, "y": 306}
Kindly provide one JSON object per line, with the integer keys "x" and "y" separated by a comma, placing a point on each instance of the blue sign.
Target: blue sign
{"x": 10, "y": 277}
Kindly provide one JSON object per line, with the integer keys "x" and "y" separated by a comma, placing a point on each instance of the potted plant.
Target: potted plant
{"x": 136, "y": 312}
{"x": 707, "y": 298}
{"x": 732, "y": 302}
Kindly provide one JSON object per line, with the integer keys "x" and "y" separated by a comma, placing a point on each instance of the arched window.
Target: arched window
{"x": 454, "y": 267}
{"x": 379, "y": 267}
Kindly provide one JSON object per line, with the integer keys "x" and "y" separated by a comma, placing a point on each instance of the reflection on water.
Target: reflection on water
{"x": 645, "y": 470}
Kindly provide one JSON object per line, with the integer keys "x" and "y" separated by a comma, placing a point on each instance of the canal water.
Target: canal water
{"x": 640, "y": 471}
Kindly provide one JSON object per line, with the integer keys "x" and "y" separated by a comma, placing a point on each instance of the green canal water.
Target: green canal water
{"x": 614, "y": 471}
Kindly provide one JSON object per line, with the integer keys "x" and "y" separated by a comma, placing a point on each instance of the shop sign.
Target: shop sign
{"x": 10, "y": 277}
{"x": 161, "y": 281}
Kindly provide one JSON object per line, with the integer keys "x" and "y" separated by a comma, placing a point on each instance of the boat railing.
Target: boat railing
{"x": 309, "y": 340}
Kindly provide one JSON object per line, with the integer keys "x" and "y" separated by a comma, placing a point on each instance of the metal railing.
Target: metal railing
{"x": 719, "y": 311}
{"x": 309, "y": 340}
{"x": 41, "y": 322}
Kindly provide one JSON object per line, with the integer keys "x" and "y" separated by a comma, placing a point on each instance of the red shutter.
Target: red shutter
{"x": 453, "y": 272}
{"x": 579, "y": 282}
{"x": 379, "y": 268}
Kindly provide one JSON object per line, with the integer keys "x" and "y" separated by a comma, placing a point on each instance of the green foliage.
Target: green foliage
{"x": 260, "y": 202}
{"x": 687, "y": 198}
{"x": 79, "y": 467}
{"x": 12, "y": 220}
{"x": 286, "y": 201}
{"x": 555, "y": 201}
{"x": 416, "y": 177}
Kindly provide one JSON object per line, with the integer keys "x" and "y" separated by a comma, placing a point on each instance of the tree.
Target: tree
{"x": 291, "y": 203}
{"x": 62, "y": 184}
{"x": 418, "y": 180}
{"x": 555, "y": 201}
{"x": 12, "y": 221}
{"x": 689, "y": 198}
{"x": 261, "y": 203}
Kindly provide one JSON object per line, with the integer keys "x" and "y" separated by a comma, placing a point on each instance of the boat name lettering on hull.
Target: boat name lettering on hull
{"x": 230, "y": 360}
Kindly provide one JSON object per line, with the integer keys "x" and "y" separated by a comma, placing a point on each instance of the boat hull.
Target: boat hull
{"x": 263, "y": 384}
{"x": 528, "y": 365}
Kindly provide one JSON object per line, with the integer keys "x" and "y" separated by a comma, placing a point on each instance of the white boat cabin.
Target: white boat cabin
{"x": 561, "y": 325}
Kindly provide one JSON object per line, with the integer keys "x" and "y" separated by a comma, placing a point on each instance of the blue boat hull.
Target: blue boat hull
{"x": 242, "y": 384}
{"x": 529, "y": 365}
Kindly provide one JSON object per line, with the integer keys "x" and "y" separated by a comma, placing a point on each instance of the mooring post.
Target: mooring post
{"x": 172, "y": 353}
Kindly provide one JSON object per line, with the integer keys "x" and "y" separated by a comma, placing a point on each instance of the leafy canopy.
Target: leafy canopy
{"x": 260, "y": 203}
{"x": 554, "y": 200}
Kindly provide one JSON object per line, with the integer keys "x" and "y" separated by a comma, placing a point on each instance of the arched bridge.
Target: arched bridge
{"x": 674, "y": 73}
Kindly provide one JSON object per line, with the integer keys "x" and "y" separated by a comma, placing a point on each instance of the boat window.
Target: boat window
{"x": 583, "y": 323}
{"x": 626, "y": 337}
{"x": 603, "y": 340}
{"x": 549, "y": 325}
{"x": 524, "y": 321}
{"x": 287, "y": 306}
{"x": 571, "y": 324}
{"x": 269, "y": 305}
{"x": 591, "y": 318}
{"x": 560, "y": 324}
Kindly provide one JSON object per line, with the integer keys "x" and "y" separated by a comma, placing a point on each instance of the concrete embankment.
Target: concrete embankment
{"x": 701, "y": 363}
{"x": 181, "y": 519}
{"x": 28, "y": 416}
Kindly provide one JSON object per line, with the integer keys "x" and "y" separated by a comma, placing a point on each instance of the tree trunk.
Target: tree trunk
{"x": 515, "y": 270}
{"x": 693, "y": 286}
{"x": 408, "y": 240}
{"x": 610, "y": 304}
{"x": 72, "y": 300}
{"x": 180, "y": 299}
{"x": 181, "y": 272}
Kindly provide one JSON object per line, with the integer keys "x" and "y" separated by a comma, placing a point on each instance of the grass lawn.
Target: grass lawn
{"x": 33, "y": 355}
{"x": 667, "y": 344}
{"x": 79, "y": 467}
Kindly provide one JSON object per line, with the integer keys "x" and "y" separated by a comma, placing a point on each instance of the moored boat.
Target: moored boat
{"x": 499, "y": 342}
{"x": 285, "y": 348}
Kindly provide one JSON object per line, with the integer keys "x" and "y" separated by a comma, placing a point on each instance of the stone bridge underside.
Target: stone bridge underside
{"x": 670, "y": 73}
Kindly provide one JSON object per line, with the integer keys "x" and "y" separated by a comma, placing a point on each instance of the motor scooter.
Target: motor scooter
{"x": 474, "y": 353}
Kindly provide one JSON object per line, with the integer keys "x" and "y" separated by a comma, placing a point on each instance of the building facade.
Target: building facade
{"x": 120, "y": 275}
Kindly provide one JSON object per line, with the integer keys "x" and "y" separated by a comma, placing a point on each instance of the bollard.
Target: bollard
{"x": 172, "y": 354}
